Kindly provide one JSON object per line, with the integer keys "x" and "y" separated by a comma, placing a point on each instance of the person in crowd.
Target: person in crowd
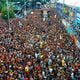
{"x": 32, "y": 52}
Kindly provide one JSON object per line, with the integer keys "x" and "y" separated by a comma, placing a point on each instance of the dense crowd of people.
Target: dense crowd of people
{"x": 34, "y": 49}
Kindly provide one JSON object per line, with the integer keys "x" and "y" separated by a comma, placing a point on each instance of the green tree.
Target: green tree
{"x": 2, "y": 3}
{"x": 7, "y": 13}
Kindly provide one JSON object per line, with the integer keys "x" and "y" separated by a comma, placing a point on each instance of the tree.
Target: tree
{"x": 7, "y": 13}
{"x": 2, "y": 3}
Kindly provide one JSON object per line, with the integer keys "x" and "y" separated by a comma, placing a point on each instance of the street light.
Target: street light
{"x": 25, "y": 9}
{"x": 9, "y": 28}
{"x": 8, "y": 11}
{"x": 63, "y": 3}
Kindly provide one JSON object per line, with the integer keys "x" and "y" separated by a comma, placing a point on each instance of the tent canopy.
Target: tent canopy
{"x": 75, "y": 3}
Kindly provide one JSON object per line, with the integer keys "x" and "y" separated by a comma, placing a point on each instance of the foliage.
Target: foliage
{"x": 7, "y": 13}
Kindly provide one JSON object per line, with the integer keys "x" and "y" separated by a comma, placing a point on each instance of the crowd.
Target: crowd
{"x": 33, "y": 49}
